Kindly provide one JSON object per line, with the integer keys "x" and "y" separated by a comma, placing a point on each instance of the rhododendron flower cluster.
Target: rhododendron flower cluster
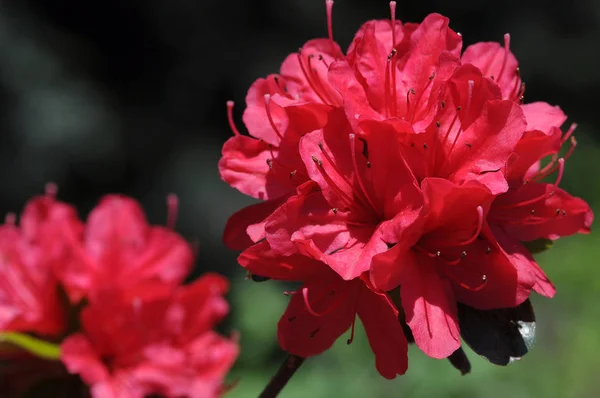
{"x": 403, "y": 182}
{"x": 109, "y": 291}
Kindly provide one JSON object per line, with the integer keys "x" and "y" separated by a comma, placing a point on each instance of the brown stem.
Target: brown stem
{"x": 284, "y": 374}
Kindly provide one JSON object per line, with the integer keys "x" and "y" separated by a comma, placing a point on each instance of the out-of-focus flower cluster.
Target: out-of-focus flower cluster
{"x": 109, "y": 292}
{"x": 403, "y": 181}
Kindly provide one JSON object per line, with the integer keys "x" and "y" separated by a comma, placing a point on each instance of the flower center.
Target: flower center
{"x": 353, "y": 194}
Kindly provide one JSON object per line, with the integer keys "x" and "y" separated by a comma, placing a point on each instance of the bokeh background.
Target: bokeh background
{"x": 129, "y": 96}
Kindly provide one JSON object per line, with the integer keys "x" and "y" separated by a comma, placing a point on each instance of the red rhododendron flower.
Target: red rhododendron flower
{"x": 117, "y": 248}
{"x": 154, "y": 341}
{"x": 326, "y": 306}
{"x": 419, "y": 182}
{"x": 29, "y": 300}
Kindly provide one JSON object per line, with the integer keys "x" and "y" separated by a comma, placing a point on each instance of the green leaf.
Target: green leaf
{"x": 35, "y": 346}
{"x": 538, "y": 245}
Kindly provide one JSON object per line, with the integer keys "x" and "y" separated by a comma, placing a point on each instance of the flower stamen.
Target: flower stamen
{"x": 270, "y": 117}
{"x": 230, "y": 118}
{"x": 172, "y": 210}
{"x": 506, "y": 52}
{"x": 329, "y": 11}
{"x": 352, "y": 137}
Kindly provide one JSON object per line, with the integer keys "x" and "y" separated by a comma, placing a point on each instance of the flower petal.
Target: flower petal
{"x": 493, "y": 60}
{"x": 430, "y": 308}
{"x": 502, "y": 335}
{"x": 524, "y": 262}
{"x": 301, "y": 333}
{"x": 255, "y": 115}
{"x": 385, "y": 334}
{"x": 236, "y": 236}
{"x": 533, "y": 146}
{"x": 543, "y": 116}
{"x": 260, "y": 260}
{"x": 505, "y": 285}
{"x": 394, "y": 186}
{"x": 491, "y": 139}
{"x": 305, "y": 73}
{"x": 537, "y": 211}
{"x": 244, "y": 166}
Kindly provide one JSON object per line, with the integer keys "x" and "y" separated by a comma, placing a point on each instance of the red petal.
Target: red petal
{"x": 79, "y": 357}
{"x": 394, "y": 186}
{"x": 492, "y": 138}
{"x": 235, "y": 235}
{"x": 430, "y": 308}
{"x": 259, "y": 259}
{"x": 505, "y": 285}
{"x": 472, "y": 97}
{"x": 523, "y": 262}
{"x": 385, "y": 334}
{"x": 368, "y": 56}
{"x": 534, "y": 146}
{"x": 255, "y": 115}
{"x": 433, "y": 52}
{"x": 336, "y": 146}
{"x": 117, "y": 222}
{"x": 526, "y": 219}
{"x": 387, "y": 267}
{"x": 28, "y": 290}
{"x": 356, "y": 104}
{"x": 244, "y": 166}
{"x": 489, "y": 58}
{"x": 452, "y": 215}
{"x": 543, "y": 116}
{"x": 316, "y": 88}
{"x": 303, "y": 334}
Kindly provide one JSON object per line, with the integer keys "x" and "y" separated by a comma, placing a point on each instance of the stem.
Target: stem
{"x": 33, "y": 345}
{"x": 287, "y": 369}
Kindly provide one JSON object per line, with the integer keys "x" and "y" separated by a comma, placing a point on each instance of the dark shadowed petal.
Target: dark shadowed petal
{"x": 459, "y": 360}
{"x": 502, "y": 335}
